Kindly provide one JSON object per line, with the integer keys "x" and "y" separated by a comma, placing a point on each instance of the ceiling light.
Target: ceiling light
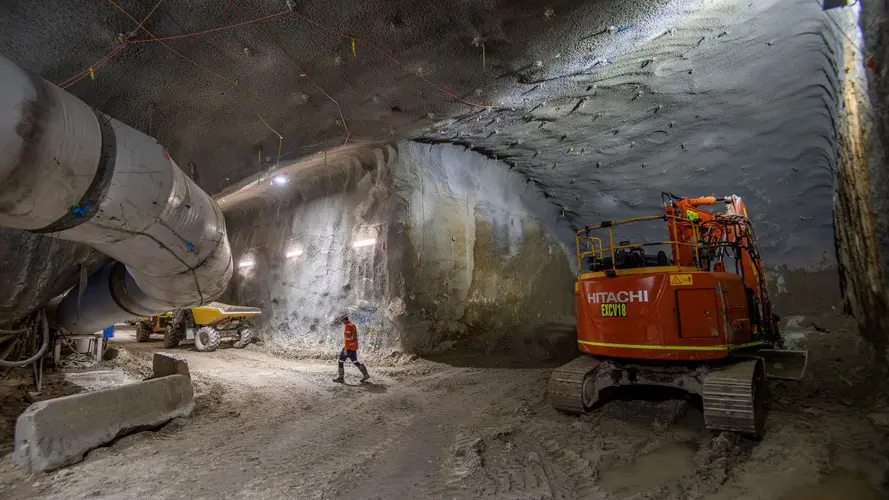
{"x": 280, "y": 180}
{"x": 293, "y": 253}
{"x": 246, "y": 263}
{"x": 364, "y": 243}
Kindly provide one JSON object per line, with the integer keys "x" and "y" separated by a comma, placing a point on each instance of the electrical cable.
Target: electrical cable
{"x": 313, "y": 82}
{"x": 96, "y": 65}
{"x": 14, "y": 332}
{"x": 391, "y": 57}
{"x": 101, "y": 62}
{"x": 40, "y": 352}
{"x": 76, "y": 359}
{"x": 195, "y": 63}
{"x": 214, "y": 30}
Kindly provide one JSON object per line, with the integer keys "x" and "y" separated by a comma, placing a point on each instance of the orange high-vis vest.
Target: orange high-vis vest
{"x": 350, "y": 334}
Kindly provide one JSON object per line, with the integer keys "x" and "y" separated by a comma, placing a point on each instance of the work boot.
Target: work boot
{"x": 340, "y": 380}
{"x": 341, "y": 372}
{"x": 364, "y": 374}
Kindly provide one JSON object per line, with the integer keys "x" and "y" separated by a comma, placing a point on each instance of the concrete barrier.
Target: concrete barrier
{"x": 165, "y": 364}
{"x": 55, "y": 433}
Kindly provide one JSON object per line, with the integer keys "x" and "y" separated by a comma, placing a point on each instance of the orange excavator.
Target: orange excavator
{"x": 690, "y": 311}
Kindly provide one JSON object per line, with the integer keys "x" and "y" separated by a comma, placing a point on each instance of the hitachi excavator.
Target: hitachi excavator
{"x": 690, "y": 312}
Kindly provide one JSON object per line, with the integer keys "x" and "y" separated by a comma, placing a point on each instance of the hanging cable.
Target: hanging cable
{"x": 313, "y": 82}
{"x": 90, "y": 71}
{"x": 214, "y": 30}
{"x": 208, "y": 70}
{"x": 101, "y": 62}
{"x": 392, "y": 58}
{"x": 353, "y": 39}
{"x": 44, "y": 325}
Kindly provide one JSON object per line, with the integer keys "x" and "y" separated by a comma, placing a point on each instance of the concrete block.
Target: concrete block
{"x": 55, "y": 433}
{"x": 166, "y": 364}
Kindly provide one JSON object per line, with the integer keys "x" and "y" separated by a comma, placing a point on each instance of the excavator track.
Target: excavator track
{"x": 734, "y": 398}
{"x": 734, "y": 395}
{"x": 566, "y": 385}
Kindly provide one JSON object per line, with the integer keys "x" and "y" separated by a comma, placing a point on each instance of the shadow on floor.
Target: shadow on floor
{"x": 491, "y": 360}
{"x": 546, "y": 346}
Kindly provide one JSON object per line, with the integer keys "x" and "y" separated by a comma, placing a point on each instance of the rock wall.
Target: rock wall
{"x": 462, "y": 255}
{"x": 484, "y": 265}
{"x": 303, "y": 269}
{"x": 863, "y": 205}
{"x": 34, "y": 268}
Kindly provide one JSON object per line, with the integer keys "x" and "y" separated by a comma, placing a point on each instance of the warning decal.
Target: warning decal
{"x": 680, "y": 279}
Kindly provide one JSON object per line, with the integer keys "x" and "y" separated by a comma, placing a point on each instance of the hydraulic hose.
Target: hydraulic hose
{"x": 44, "y": 324}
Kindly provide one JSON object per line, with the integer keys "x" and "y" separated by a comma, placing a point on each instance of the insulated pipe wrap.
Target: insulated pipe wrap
{"x": 91, "y": 179}
{"x": 156, "y": 220}
{"x": 51, "y": 147}
{"x": 161, "y": 224}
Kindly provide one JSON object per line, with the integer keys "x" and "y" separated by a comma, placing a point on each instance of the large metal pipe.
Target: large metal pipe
{"x": 82, "y": 176}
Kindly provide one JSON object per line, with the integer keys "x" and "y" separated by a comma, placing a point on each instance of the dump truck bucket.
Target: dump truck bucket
{"x": 784, "y": 365}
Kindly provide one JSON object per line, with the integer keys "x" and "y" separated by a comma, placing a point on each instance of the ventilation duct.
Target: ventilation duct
{"x": 82, "y": 176}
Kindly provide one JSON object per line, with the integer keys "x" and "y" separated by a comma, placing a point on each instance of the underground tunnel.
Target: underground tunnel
{"x": 587, "y": 249}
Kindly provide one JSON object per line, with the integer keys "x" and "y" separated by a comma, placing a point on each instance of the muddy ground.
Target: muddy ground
{"x": 270, "y": 427}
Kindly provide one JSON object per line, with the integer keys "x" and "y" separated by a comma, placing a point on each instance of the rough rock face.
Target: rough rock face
{"x": 305, "y": 271}
{"x": 715, "y": 99}
{"x": 482, "y": 250}
{"x": 596, "y": 105}
{"x": 864, "y": 189}
{"x": 36, "y": 267}
{"x": 451, "y": 246}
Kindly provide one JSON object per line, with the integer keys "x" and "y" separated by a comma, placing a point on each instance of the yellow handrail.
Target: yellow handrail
{"x": 674, "y": 244}
{"x": 593, "y": 241}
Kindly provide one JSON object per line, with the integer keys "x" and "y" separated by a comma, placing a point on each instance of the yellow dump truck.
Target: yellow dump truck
{"x": 152, "y": 325}
{"x": 208, "y": 325}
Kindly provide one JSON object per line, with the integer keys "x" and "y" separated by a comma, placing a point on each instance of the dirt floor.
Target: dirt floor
{"x": 270, "y": 427}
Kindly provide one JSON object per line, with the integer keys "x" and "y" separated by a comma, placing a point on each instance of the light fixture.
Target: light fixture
{"x": 246, "y": 263}
{"x": 293, "y": 253}
{"x": 280, "y": 180}
{"x": 364, "y": 243}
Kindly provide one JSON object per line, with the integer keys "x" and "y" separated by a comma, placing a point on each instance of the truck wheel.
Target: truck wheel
{"x": 244, "y": 338}
{"x": 171, "y": 337}
{"x": 206, "y": 339}
{"x": 143, "y": 331}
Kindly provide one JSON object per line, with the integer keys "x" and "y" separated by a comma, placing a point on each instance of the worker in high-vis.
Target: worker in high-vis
{"x": 350, "y": 350}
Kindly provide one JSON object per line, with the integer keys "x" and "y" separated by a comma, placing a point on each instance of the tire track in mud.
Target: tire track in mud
{"x": 550, "y": 470}
{"x": 529, "y": 482}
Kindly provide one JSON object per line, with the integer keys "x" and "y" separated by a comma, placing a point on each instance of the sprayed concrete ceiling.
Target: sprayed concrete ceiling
{"x": 599, "y": 104}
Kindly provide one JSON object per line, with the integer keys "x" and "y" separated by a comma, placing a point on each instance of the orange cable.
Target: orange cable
{"x": 365, "y": 41}
{"x": 214, "y": 30}
{"x": 214, "y": 73}
{"x": 96, "y": 65}
{"x": 314, "y": 83}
